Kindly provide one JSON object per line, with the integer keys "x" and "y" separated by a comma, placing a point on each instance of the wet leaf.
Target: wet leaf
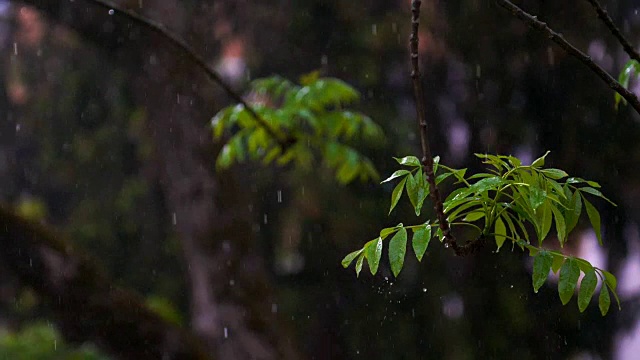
{"x": 554, "y": 173}
{"x": 500, "y": 232}
{"x": 587, "y": 288}
{"x": 359, "y": 264}
{"x": 421, "y": 239}
{"x": 373, "y": 252}
{"x": 594, "y": 218}
{"x": 409, "y": 161}
{"x": 396, "y": 174}
{"x": 569, "y": 274}
{"x": 397, "y": 251}
{"x": 541, "y": 266}
{"x": 349, "y": 258}
{"x": 397, "y": 193}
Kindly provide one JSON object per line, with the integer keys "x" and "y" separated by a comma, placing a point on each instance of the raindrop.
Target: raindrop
{"x": 111, "y": 12}
{"x": 374, "y": 29}
{"x": 55, "y": 344}
{"x": 512, "y": 286}
{"x": 174, "y": 220}
{"x": 226, "y": 332}
{"x": 232, "y": 282}
{"x": 265, "y": 218}
{"x": 18, "y": 126}
{"x": 15, "y": 48}
{"x": 279, "y": 196}
{"x": 424, "y": 289}
{"x": 274, "y": 308}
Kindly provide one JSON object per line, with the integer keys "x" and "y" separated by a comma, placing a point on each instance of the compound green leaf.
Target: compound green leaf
{"x": 587, "y": 287}
{"x": 421, "y": 239}
{"x": 349, "y": 258}
{"x": 594, "y": 218}
{"x": 397, "y": 193}
{"x": 541, "y": 266}
{"x": 604, "y": 301}
{"x": 569, "y": 274}
{"x": 397, "y": 251}
{"x": 500, "y": 232}
{"x": 373, "y": 252}
{"x": 396, "y": 174}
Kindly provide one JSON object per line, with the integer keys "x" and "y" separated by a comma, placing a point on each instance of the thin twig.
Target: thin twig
{"x": 533, "y": 22}
{"x": 427, "y": 158}
{"x": 283, "y": 140}
{"x": 606, "y": 19}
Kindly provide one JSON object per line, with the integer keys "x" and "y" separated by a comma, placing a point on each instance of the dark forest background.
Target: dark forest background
{"x": 104, "y": 136}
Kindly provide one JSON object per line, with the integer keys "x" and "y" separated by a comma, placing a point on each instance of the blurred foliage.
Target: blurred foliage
{"x": 313, "y": 115}
{"x": 40, "y": 341}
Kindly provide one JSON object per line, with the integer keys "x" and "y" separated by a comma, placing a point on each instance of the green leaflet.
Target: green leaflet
{"x": 604, "y": 301}
{"x": 359, "y": 264}
{"x": 373, "y": 252}
{"x": 421, "y": 239}
{"x": 349, "y": 258}
{"x": 500, "y": 232}
{"x": 409, "y": 161}
{"x": 397, "y": 251}
{"x": 395, "y": 174}
{"x": 594, "y": 218}
{"x": 541, "y": 266}
{"x": 569, "y": 274}
{"x": 397, "y": 193}
{"x": 587, "y": 287}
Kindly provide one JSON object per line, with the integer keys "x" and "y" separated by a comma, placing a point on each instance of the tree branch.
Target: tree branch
{"x": 427, "y": 158}
{"x": 534, "y": 23}
{"x": 606, "y": 19}
{"x": 285, "y": 141}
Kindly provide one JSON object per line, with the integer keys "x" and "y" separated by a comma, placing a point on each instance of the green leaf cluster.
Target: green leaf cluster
{"x": 569, "y": 269}
{"x": 313, "y": 113}
{"x": 631, "y": 68}
{"x": 503, "y": 204}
